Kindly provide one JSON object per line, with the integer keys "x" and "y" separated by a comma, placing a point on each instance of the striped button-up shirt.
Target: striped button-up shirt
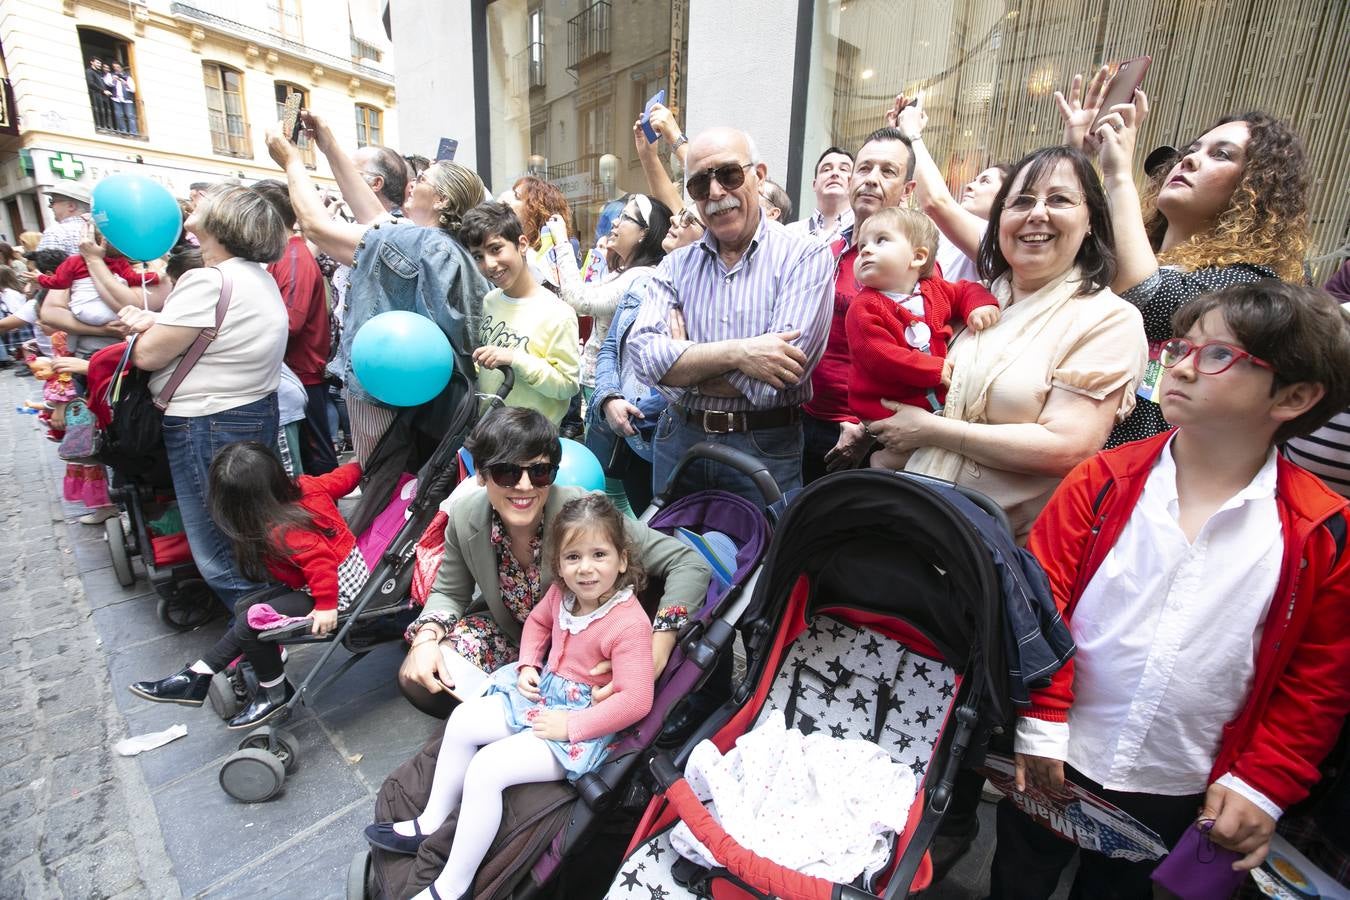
{"x": 781, "y": 283}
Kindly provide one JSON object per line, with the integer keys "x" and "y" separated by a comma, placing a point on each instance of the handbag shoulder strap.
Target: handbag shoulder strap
{"x": 204, "y": 338}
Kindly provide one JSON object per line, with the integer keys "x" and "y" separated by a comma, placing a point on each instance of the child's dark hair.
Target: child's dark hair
{"x": 513, "y": 434}
{"x": 489, "y": 220}
{"x": 1301, "y": 331}
{"x": 182, "y": 258}
{"x": 594, "y": 511}
{"x": 252, "y": 500}
{"x": 49, "y": 260}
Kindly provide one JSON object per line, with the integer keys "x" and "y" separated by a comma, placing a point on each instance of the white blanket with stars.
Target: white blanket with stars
{"x": 820, "y": 805}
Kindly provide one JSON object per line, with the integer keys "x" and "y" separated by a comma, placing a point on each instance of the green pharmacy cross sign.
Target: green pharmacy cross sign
{"x": 66, "y": 165}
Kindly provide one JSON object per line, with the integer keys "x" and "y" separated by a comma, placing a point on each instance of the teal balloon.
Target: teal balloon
{"x": 138, "y": 216}
{"x": 579, "y": 467}
{"x": 401, "y": 358}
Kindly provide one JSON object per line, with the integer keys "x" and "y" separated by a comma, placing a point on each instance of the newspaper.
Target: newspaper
{"x": 1078, "y": 815}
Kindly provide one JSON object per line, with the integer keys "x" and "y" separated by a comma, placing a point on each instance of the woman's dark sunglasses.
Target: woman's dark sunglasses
{"x": 730, "y": 177}
{"x": 508, "y": 474}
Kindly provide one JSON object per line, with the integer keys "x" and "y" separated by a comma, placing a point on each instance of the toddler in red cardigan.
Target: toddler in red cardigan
{"x": 538, "y": 721}
{"x": 1205, "y": 581}
{"x": 284, "y": 531}
{"x": 899, "y": 324}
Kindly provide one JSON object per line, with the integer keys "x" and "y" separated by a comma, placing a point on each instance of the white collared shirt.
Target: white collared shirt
{"x": 814, "y": 226}
{"x": 1167, "y": 634}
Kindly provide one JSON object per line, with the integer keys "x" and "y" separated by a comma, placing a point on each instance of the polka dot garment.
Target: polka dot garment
{"x": 1158, "y": 297}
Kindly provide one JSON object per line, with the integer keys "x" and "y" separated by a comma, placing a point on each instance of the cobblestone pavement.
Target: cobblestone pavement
{"x": 77, "y": 821}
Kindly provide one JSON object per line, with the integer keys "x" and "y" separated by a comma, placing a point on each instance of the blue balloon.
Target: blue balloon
{"x": 401, "y": 358}
{"x": 138, "y": 216}
{"x": 579, "y": 467}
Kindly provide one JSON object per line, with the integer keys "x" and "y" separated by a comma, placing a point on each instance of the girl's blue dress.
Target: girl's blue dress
{"x": 577, "y": 758}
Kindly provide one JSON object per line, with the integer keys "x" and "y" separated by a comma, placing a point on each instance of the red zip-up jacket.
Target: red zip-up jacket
{"x": 312, "y": 557}
{"x": 1300, "y": 695}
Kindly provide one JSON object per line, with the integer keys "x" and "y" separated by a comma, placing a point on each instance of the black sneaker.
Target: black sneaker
{"x": 267, "y": 702}
{"x": 186, "y": 687}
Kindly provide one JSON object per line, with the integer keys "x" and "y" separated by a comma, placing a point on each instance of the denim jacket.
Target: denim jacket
{"x": 609, "y": 382}
{"x": 401, "y": 266}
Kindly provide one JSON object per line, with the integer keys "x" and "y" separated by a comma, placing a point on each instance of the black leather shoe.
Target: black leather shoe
{"x": 267, "y": 702}
{"x": 383, "y": 835}
{"x": 186, "y": 687}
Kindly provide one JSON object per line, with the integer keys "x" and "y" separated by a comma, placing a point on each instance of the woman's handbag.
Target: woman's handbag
{"x": 135, "y": 436}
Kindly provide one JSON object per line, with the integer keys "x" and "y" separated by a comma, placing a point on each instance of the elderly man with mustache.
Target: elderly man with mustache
{"x": 732, "y": 325}
{"x": 883, "y": 175}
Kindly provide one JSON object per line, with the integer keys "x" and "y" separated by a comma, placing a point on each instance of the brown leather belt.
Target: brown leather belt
{"x": 715, "y": 421}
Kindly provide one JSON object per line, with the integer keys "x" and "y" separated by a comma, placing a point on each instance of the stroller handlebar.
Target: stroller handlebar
{"x": 508, "y": 383}
{"x": 742, "y": 462}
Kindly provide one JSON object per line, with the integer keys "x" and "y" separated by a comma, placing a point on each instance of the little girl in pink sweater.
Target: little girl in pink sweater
{"x": 532, "y": 726}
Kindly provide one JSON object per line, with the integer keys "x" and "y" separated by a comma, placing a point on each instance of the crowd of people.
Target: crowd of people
{"x": 1140, "y": 376}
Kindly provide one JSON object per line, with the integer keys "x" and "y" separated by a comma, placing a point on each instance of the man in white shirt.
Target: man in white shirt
{"x": 830, "y": 184}
{"x": 123, "y": 99}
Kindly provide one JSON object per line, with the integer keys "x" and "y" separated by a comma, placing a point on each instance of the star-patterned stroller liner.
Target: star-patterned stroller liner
{"x": 879, "y": 614}
{"x": 839, "y": 679}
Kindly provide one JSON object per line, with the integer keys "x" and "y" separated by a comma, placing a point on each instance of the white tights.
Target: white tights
{"x": 475, "y": 782}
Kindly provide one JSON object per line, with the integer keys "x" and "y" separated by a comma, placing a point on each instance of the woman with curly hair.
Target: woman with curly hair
{"x": 1232, "y": 209}
{"x": 395, "y": 265}
{"x": 534, "y": 202}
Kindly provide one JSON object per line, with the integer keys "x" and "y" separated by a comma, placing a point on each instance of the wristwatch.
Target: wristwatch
{"x": 680, "y": 142}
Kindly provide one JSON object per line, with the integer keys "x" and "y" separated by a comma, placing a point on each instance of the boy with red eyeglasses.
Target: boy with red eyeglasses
{"x": 1205, "y": 582}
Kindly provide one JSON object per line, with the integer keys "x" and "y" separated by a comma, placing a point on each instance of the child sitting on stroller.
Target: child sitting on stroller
{"x": 900, "y": 323}
{"x": 530, "y": 727}
{"x": 282, "y": 530}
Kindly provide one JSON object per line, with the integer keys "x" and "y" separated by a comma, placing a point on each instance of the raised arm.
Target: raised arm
{"x": 659, "y": 184}
{"x": 963, "y": 228}
{"x": 359, "y": 195}
{"x": 335, "y": 237}
{"x": 595, "y": 299}
{"x": 1115, "y": 139}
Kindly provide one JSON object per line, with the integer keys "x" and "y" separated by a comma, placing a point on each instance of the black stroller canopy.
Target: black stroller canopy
{"x": 886, "y": 543}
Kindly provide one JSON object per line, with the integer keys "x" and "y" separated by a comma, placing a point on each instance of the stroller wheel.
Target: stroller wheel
{"x": 191, "y": 605}
{"x": 117, "y": 549}
{"x": 252, "y": 776}
{"x": 224, "y": 699}
{"x": 359, "y": 875}
{"x": 287, "y": 748}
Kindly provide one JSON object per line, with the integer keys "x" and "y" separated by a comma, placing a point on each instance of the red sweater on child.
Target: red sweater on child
{"x": 75, "y": 268}
{"x": 888, "y": 365}
{"x": 622, "y": 635}
{"x": 311, "y": 557}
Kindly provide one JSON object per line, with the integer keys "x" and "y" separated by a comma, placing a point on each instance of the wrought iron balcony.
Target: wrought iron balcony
{"x": 588, "y": 34}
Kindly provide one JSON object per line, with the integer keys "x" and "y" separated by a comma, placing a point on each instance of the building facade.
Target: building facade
{"x": 207, "y": 79}
{"x": 553, "y": 86}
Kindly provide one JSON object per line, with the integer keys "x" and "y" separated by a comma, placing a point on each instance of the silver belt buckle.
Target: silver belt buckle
{"x": 718, "y": 421}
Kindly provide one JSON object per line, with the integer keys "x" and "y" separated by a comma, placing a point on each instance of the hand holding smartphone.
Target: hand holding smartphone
{"x": 1127, "y": 79}
{"x": 290, "y": 117}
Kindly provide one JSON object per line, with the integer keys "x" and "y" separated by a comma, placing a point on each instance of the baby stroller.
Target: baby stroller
{"x": 555, "y": 829}
{"x": 878, "y": 615}
{"x": 156, "y": 535}
{"x": 257, "y": 770}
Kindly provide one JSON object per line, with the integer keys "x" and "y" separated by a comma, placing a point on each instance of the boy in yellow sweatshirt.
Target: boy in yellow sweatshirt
{"x": 524, "y": 325}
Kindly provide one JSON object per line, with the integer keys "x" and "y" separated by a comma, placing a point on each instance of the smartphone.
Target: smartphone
{"x": 1129, "y": 75}
{"x": 658, "y": 98}
{"x": 290, "y": 117}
